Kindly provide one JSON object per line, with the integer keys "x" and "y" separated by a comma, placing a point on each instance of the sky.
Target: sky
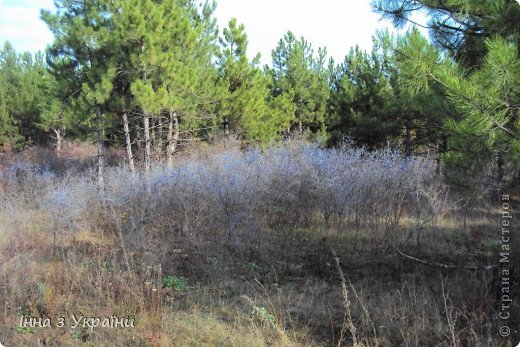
{"x": 20, "y": 24}
{"x": 334, "y": 24}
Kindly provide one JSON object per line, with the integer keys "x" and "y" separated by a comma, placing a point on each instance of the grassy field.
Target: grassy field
{"x": 293, "y": 246}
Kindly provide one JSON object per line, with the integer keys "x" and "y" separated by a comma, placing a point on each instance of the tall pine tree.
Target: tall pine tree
{"x": 246, "y": 105}
{"x": 301, "y": 75}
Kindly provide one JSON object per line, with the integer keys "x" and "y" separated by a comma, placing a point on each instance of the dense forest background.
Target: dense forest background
{"x": 150, "y": 76}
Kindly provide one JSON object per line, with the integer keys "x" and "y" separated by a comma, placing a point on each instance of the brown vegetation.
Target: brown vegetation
{"x": 295, "y": 246}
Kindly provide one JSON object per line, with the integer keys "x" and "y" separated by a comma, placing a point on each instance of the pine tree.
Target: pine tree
{"x": 485, "y": 130}
{"x": 82, "y": 57}
{"x": 192, "y": 78}
{"x": 25, "y": 90}
{"x": 460, "y": 27}
{"x": 299, "y": 73}
{"x": 9, "y": 133}
{"x": 361, "y": 98}
{"x": 418, "y": 117}
{"x": 171, "y": 47}
{"x": 153, "y": 58}
{"x": 474, "y": 62}
{"x": 58, "y": 116}
{"x": 244, "y": 107}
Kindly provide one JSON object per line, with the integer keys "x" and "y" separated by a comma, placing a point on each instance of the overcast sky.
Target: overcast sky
{"x": 335, "y": 24}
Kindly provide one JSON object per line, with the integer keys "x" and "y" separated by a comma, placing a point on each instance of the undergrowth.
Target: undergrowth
{"x": 237, "y": 249}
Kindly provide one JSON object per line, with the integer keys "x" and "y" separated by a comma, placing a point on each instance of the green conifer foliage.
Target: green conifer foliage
{"x": 300, "y": 74}
{"x": 246, "y": 104}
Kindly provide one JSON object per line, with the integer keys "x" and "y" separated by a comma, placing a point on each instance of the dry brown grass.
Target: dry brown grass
{"x": 405, "y": 304}
{"x": 81, "y": 278}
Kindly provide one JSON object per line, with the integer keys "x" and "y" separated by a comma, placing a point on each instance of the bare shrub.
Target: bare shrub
{"x": 237, "y": 197}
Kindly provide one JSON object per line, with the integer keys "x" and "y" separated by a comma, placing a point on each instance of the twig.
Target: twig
{"x": 445, "y": 266}
{"x": 365, "y": 310}
{"x": 449, "y": 318}
{"x": 346, "y": 302}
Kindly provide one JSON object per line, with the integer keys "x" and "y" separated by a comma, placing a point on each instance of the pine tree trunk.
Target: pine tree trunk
{"x": 128, "y": 142}
{"x": 159, "y": 137}
{"x": 226, "y": 126}
{"x": 500, "y": 169}
{"x": 153, "y": 138}
{"x": 146, "y": 138}
{"x": 438, "y": 159}
{"x": 146, "y": 124}
{"x": 173, "y": 136}
{"x": 441, "y": 149}
{"x": 59, "y": 139}
{"x": 300, "y": 127}
{"x": 100, "y": 149}
{"x": 408, "y": 139}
